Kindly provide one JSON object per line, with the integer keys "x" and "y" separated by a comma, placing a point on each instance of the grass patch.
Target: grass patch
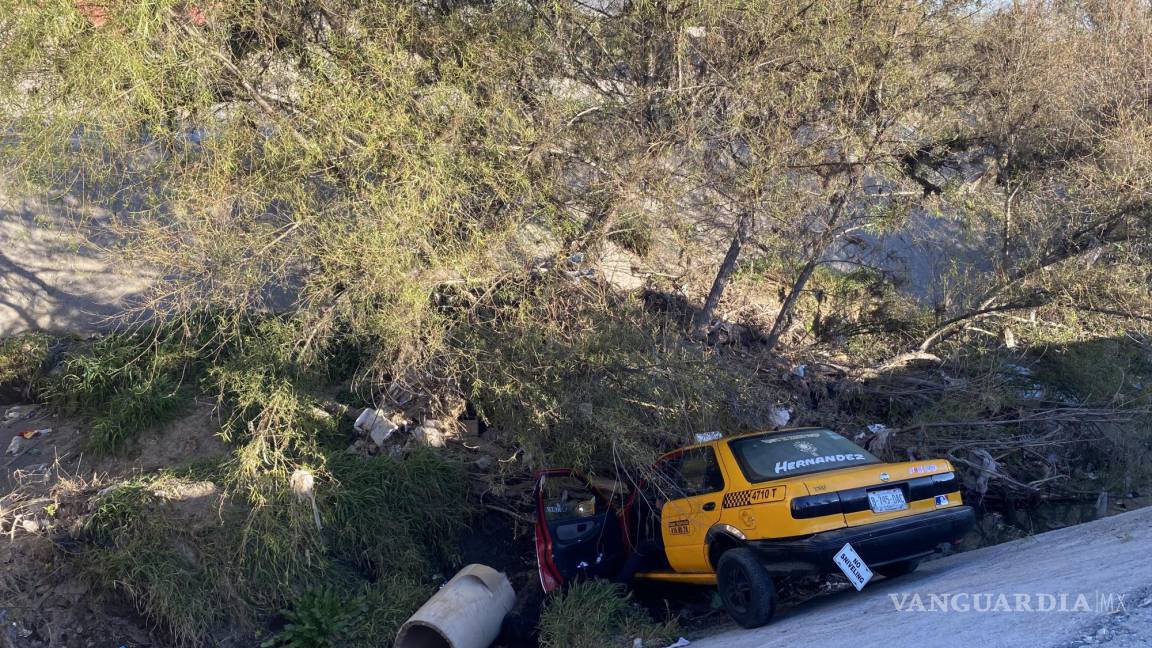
{"x": 170, "y": 568}
{"x": 367, "y": 616}
{"x": 22, "y": 359}
{"x": 633, "y": 232}
{"x": 127, "y": 384}
{"x": 396, "y": 517}
{"x": 595, "y": 614}
{"x": 239, "y": 555}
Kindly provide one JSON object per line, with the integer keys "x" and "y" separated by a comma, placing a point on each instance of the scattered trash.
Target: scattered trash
{"x": 780, "y": 416}
{"x": 680, "y": 643}
{"x": 376, "y": 425}
{"x": 20, "y": 411}
{"x": 705, "y": 437}
{"x": 14, "y": 446}
{"x": 303, "y": 486}
{"x": 32, "y": 434}
{"x": 988, "y": 469}
{"x": 467, "y": 612}
{"x": 881, "y": 435}
{"x": 31, "y": 525}
{"x": 1019, "y": 370}
{"x": 1035, "y": 392}
{"x": 800, "y": 370}
{"x": 637, "y": 643}
{"x": 429, "y": 437}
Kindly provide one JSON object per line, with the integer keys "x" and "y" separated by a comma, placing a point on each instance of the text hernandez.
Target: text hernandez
{"x": 785, "y": 466}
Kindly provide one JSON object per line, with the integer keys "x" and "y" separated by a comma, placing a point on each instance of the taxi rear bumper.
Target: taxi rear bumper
{"x": 878, "y": 544}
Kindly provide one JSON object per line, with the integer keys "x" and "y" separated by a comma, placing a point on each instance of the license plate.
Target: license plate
{"x": 884, "y": 501}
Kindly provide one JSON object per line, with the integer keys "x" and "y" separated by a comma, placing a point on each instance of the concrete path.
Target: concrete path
{"x": 1097, "y": 576}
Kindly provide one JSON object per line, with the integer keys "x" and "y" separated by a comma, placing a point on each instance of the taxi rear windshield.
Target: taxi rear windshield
{"x": 776, "y": 456}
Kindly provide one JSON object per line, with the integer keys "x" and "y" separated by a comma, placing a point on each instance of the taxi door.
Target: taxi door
{"x": 695, "y": 487}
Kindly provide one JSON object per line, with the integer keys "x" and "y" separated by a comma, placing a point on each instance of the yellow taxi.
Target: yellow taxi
{"x": 738, "y": 512}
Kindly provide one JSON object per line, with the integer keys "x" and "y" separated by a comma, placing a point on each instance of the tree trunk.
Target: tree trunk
{"x": 727, "y": 266}
{"x": 784, "y": 317}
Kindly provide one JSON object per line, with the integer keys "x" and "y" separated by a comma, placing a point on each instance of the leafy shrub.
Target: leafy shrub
{"x": 126, "y": 383}
{"x": 22, "y": 359}
{"x": 357, "y": 617}
{"x": 597, "y": 614}
{"x": 585, "y": 377}
{"x": 321, "y": 619}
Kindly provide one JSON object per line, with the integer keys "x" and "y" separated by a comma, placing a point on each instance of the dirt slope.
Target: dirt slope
{"x": 1108, "y": 557}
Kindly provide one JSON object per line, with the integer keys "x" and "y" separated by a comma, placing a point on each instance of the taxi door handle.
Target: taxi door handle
{"x": 709, "y": 506}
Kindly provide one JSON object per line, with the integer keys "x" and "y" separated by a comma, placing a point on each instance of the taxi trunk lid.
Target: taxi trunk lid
{"x": 876, "y": 492}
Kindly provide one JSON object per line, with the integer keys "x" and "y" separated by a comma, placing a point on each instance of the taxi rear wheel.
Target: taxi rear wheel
{"x": 745, "y": 587}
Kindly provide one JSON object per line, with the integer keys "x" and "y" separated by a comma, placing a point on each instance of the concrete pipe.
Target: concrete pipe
{"x": 466, "y": 613}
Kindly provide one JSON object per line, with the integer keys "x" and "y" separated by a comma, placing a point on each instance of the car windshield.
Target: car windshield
{"x": 778, "y": 455}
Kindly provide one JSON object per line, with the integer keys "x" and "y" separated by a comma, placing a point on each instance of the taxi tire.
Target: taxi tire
{"x": 897, "y": 569}
{"x": 748, "y": 593}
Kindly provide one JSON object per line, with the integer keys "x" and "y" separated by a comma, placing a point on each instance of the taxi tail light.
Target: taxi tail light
{"x": 812, "y": 506}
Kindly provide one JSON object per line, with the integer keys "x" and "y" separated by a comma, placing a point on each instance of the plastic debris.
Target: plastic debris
{"x": 800, "y": 370}
{"x": 428, "y": 436}
{"x": 780, "y": 416}
{"x": 32, "y": 434}
{"x": 680, "y": 643}
{"x": 20, "y": 411}
{"x": 303, "y": 486}
{"x": 881, "y": 435}
{"x": 705, "y": 437}
{"x": 376, "y": 425}
{"x": 14, "y": 446}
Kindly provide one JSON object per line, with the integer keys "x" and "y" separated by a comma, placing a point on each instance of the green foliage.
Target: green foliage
{"x": 584, "y": 377}
{"x": 22, "y": 359}
{"x": 598, "y": 614}
{"x": 396, "y": 517}
{"x": 1105, "y": 371}
{"x": 126, "y": 383}
{"x": 321, "y": 618}
{"x": 367, "y": 616}
{"x": 170, "y": 567}
{"x": 634, "y": 233}
{"x": 192, "y": 563}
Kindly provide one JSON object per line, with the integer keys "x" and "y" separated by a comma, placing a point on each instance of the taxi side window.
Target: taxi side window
{"x": 697, "y": 472}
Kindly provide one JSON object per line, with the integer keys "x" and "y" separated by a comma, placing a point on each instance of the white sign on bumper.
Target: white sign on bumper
{"x": 853, "y": 566}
